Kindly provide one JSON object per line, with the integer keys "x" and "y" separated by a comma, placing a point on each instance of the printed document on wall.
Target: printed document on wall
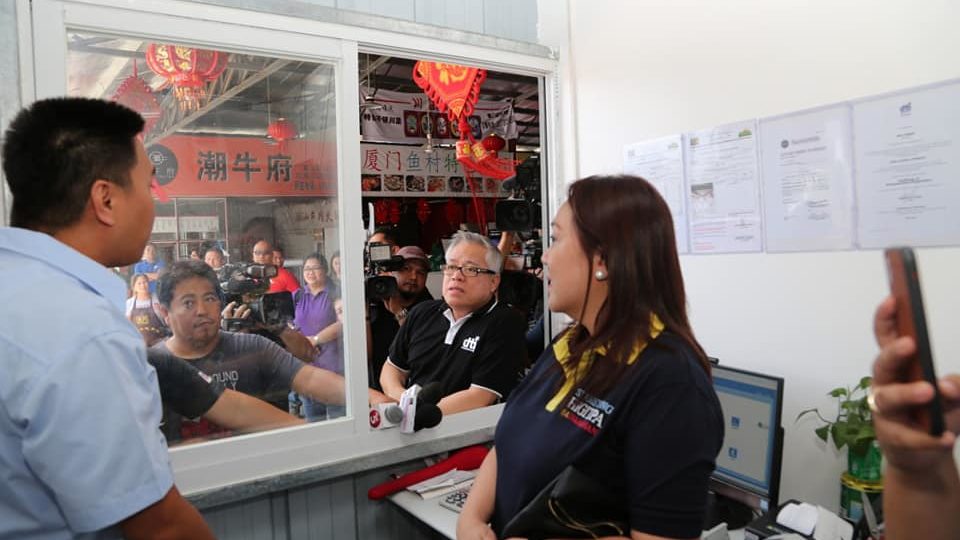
{"x": 807, "y": 171}
{"x": 907, "y": 149}
{"x": 723, "y": 189}
{"x": 660, "y": 162}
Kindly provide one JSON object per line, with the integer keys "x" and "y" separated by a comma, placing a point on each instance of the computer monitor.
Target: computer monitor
{"x": 748, "y": 466}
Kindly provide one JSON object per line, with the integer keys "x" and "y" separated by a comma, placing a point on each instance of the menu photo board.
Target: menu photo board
{"x": 399, "y": 171}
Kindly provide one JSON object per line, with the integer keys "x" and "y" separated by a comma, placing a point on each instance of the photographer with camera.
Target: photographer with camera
{"x": 284, "y": 280}
{"x": 190, "y": 301}
{"x": 387, "y": 314}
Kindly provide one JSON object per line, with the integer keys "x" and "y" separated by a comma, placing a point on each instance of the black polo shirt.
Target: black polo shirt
{"x": 383, "y": 328}
{"x": 487, "y": 350}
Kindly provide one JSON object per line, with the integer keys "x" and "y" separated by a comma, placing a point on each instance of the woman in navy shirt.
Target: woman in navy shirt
{"x": 623, "y": 395}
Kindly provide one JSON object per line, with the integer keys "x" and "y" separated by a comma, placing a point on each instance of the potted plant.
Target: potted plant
{"x": 852, "y": 428}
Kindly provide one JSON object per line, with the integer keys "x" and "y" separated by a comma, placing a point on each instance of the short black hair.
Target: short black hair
{"x": 181, "y": 271}
{"x": 55, "y": 149}
{"x": 389, "y": 234}
{"x": 320, "y": 258}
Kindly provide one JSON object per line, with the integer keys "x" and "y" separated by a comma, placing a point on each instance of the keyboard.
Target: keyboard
{"x": 454, "y": 500}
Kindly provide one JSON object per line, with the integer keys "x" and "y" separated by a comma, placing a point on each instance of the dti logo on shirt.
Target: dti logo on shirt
{"x": 470, "y": 344}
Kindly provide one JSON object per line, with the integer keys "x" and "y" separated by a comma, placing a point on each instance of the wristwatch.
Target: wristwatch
{"x": 402, "y": 314}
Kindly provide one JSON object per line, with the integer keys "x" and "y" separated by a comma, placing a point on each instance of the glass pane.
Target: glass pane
{"x": 428, "y": 173}
{"x": 245, "y": 150}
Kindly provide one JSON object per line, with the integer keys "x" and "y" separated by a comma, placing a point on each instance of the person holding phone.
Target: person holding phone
{"x": 921, "y": 483}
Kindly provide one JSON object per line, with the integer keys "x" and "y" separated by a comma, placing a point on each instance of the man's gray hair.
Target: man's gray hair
{"x": 493, "y": 257}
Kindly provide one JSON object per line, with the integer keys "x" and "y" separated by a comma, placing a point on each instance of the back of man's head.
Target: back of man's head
{"x": 55, "y": 149}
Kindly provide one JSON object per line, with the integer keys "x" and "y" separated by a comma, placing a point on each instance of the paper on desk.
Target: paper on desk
{"x": 799, "y": 517}
{"x": 444, "y": 483}
{"x": 831, "y": 526}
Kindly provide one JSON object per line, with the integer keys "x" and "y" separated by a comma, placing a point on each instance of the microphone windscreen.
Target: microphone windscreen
{"x": 431, "y": 392}
{"x": 393, "y": 414}
{"x": 428, "y": 415}
{"x": 466, "y": 459}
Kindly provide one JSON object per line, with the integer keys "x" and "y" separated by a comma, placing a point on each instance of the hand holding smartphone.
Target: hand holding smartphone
{"x": 911, "y": 321}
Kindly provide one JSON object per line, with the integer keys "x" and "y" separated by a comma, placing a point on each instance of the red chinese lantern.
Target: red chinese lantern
{"x": 393, "y": 211}
{"x": 282, "y": 130}
{"x": 453, "y": 212}
{"x": 187, "y": 70}
{"x": 380, "y": 211}
{"x": 493, "y": 142}
{"x": 423, "y": 210}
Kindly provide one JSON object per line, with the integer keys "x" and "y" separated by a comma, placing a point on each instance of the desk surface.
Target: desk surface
{"x": 444, "y": 521}
{"x": 428, "y": 511}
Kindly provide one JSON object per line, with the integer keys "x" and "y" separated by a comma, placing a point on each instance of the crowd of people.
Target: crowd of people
{"x": 628, "y": 370}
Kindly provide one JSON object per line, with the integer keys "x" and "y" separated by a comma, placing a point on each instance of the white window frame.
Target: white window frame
{"x": 241, "y": 459}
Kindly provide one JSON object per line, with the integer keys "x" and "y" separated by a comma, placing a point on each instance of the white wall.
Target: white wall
{"x": 648, "y": 68}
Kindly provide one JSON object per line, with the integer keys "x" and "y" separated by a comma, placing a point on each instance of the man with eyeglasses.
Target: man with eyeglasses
{"x": 387, "y": 316}
{"x": 285, "y": 280}
{"x": 468, "y": 342}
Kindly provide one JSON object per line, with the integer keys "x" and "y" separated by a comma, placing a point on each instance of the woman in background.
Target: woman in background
{"x": 624, "y": 394}
{"x": 143, "y": 311}
{"x": 316, "y": 319}
{"x": 335, "y": 269}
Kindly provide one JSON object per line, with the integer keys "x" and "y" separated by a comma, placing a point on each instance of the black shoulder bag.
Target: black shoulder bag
{"x": 573, "y": 505}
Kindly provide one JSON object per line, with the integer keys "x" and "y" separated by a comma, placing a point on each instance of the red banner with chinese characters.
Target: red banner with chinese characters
{"x": 244, "y": 167}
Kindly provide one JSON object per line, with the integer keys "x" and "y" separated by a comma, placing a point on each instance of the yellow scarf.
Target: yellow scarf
{"x": 574, "y": 374}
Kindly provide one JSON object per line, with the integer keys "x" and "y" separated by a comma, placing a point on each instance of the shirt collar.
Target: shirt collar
{"x": 47, "y": 249}
{"x": 484, "y": 309}
{"x": 574, "y": 374}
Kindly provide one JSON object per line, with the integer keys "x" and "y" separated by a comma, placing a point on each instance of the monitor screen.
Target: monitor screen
{"x": 752, "y": 444}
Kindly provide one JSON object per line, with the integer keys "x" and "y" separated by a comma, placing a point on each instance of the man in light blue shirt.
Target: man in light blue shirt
{"x": 81, "y": 453}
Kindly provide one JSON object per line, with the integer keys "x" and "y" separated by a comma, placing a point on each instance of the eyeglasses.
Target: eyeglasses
{"x": 261, "y": 253}
{"x": 312, "y": 269}
{"x": 467, "y": 271}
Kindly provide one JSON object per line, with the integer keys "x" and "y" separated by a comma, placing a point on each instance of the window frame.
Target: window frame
{"x": 212, "y": 465}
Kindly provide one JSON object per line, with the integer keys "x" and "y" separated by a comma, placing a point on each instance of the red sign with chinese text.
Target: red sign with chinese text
{"x": 244, "y": 166}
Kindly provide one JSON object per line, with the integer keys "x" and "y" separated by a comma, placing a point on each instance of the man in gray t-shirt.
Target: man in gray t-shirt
{"x": 190, "y": 303}
{"x": 246, "y": 363}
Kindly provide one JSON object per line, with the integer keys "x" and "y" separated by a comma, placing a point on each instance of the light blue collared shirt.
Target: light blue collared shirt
{"x": 80, "y": 444}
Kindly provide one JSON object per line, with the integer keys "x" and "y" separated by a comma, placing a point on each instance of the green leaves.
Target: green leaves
{"x": 853, "y": 425}
{"x": 838, "y": 392}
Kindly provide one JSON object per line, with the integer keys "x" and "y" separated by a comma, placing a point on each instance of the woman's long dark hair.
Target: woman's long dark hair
{"x": 626, "y": 221}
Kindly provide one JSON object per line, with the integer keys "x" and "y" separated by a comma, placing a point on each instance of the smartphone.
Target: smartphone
{"x": 911, "y": 321}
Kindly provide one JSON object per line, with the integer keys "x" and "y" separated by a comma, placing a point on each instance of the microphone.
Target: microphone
{"x": 465, "y": 459}
{"x": 428, "y": 415}
{"x": 425, "y": 415}
{"x": 431, "y": 393}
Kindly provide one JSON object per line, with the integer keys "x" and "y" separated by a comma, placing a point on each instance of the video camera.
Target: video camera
{"x": 521, "y": 212}
{"x": 248, "y": 284}
{"x": 378, "y": 258}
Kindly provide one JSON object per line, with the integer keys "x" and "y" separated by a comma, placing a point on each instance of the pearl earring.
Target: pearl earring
{"x": 600, "y": 275}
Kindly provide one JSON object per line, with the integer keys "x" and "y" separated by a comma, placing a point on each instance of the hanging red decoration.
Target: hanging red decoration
{"x": 380, "y": 212}
{"x": 136, "y": 94}
{"x": 493, "y": 142}
{"x": 453, "y": 212}
{"x": 187, "y": 70}
{"x": 423, "y": 210}
{"x": 393, "y": 211}
{"x": 282, "y": 130}
{"x": 455, "y": 89}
